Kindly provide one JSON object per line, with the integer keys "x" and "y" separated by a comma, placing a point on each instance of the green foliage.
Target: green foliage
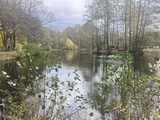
{"x": 33, "y": 49}
{"x": 17, "y": 111}
{"x": 70, "y": 45}
{"x": 131, "y": 88}
{"x": 19, "y": 47}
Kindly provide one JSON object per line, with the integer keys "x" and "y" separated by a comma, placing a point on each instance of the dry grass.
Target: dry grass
{"x": 152, "y": 50}
{"x": 8, "y": 55}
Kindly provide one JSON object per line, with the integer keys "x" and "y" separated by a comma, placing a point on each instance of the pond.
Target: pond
{"x": 73, "y": 86}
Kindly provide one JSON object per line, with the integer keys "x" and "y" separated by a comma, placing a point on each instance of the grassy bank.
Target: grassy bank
{"x": 8, "y": 55}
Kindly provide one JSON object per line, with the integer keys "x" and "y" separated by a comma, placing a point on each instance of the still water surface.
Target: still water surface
{"x": 74, "y": 86}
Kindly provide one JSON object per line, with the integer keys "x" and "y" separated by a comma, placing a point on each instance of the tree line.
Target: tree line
{"x": 21, "y": 19}
{"x": 80, "y": 35}
{"x": 121, "y": 23}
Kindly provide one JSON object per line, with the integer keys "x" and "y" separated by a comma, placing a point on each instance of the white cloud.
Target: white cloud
{"x": 67, "y": 11}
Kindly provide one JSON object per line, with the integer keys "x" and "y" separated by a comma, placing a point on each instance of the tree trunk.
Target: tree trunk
{"x": 14, "y": 39}
{"x": 130, "y": 25}
{"x": 5, "y": 41}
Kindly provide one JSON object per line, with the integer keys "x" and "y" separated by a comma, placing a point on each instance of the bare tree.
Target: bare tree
{"x": 21, "y": 17}
{"x": 125, "y": 19}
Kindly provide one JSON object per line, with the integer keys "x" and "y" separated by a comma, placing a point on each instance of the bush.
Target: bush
{"x": 33, "y": 49}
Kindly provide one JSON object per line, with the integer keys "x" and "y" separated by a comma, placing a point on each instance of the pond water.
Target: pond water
{"x": 73, "y": 86}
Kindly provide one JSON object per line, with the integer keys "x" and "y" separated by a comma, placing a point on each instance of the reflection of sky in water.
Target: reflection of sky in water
{"x": 77, "y": 99}
{"x": 66, "y": 75}
{"x": 84, "y": 88}
{"x": 80, "y": 81}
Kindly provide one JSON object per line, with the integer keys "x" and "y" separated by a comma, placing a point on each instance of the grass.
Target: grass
{"x": 152, "y": 50}
{"x": 8, "y": 55}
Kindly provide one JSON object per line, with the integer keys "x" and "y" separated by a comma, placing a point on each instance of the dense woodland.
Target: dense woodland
{"x": 111, "y": 24}
{"x": 122, "y": 23}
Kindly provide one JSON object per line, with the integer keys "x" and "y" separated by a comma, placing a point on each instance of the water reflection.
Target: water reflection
{"x": 123, "y": 94}
{"x": 73, "y": 86}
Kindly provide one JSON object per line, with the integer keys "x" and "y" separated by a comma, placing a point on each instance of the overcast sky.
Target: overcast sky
{"x": 67, "y": 12}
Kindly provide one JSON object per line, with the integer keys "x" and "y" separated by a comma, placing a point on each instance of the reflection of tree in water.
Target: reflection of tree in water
{"x": 123, "y": 94}
{"x": 79, "y": 60}
{"x": 20, "y": 87}
{"x": 120, "y": 94}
